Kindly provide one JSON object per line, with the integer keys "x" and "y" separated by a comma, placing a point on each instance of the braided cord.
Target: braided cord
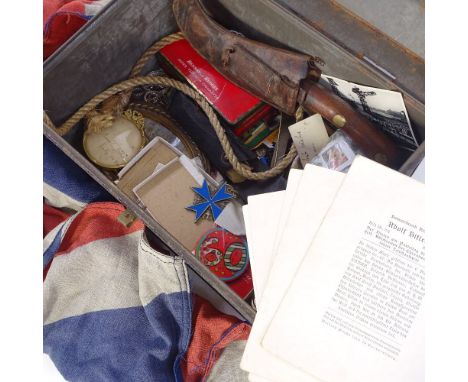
{"x": 122, "y": 90}
{"x": 152, "y": 50}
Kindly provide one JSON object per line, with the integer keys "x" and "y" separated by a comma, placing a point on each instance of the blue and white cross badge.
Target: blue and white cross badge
{"x": 209, "y": 201}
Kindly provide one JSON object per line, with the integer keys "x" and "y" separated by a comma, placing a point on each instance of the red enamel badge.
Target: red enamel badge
{"x": 224, "y": 253}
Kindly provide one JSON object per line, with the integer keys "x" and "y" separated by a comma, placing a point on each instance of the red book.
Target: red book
{"x": 266, "y": 113}
{"x": 228, "y": 99}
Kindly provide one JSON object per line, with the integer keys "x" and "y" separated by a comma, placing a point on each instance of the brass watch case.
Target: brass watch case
{"x": 137, "y": 119}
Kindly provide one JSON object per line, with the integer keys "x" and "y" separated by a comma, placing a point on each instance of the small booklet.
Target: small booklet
{"x": 354, "y": 308}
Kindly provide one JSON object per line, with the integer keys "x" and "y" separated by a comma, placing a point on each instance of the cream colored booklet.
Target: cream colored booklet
{"x": 354, "y": 311}
{"x": 314, "y": 196}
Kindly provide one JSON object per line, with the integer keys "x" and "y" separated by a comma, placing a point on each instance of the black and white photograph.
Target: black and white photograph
{"x": 385, "y": 108}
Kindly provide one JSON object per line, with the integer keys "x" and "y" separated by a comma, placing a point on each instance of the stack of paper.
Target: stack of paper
{"x": 338, "y": 268}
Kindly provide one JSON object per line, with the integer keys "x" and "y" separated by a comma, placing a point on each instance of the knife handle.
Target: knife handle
{"x": 373, "y": 143}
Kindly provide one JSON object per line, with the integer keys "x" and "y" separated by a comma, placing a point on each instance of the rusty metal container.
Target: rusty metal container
{"x": 104, "y": 50}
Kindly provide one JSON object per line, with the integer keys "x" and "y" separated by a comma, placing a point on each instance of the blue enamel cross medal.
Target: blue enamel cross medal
{"x": 209, "y": 201}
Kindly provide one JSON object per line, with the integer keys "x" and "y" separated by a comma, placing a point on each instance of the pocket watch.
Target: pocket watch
{"x": 113, "y": 147}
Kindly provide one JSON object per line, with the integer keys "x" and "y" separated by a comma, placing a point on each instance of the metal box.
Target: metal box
{"x": 104, "y": 50}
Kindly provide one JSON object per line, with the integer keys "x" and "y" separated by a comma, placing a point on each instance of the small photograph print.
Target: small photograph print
{"x": 385, "y": 108}
{"x": 338, "y": 154}
{"x": 334, "y": 157}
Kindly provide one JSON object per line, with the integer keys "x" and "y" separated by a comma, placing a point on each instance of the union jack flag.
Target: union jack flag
{"x": 115, "y": 309}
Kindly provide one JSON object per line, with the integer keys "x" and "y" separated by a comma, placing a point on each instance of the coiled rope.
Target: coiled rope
{"x": 113, "y": 101}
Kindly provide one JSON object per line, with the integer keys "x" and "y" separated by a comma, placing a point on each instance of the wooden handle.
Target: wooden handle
{"x": 373, "y": 143}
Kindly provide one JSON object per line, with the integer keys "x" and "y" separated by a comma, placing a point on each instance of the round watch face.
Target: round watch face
{"x": 113, "y": 147}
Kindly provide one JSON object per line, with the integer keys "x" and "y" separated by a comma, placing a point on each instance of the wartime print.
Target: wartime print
{"x": 385, "y": 108}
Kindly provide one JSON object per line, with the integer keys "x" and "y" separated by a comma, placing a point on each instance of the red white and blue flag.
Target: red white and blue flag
{"x": 115, "y": 309}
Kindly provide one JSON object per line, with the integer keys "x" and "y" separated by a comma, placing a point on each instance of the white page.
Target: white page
{"x": 259, "y": 268}
{"x": 269, "y": 252}
{"x": 261, "y": 221}
{"x": 251, "y": 245}
{"x": 319, "y": 326}
{"x": 314, "y": 196}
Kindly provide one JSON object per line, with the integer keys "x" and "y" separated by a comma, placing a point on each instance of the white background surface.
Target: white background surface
{"x": 49, "y": 371}
{"x": 21, "y": 284}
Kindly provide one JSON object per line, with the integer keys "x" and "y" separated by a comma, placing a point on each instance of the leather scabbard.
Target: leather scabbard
{"x": 270, "y": 73}
{"x": 280, "y": 77}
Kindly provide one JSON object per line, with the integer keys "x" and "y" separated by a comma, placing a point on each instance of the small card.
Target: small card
{"x": 232, "y": 219}
{"x": 167, "y": 193}
{"x": 338, "y": 154}
{"x": 158, "y": 151}
{"x": 309, "y": 137}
